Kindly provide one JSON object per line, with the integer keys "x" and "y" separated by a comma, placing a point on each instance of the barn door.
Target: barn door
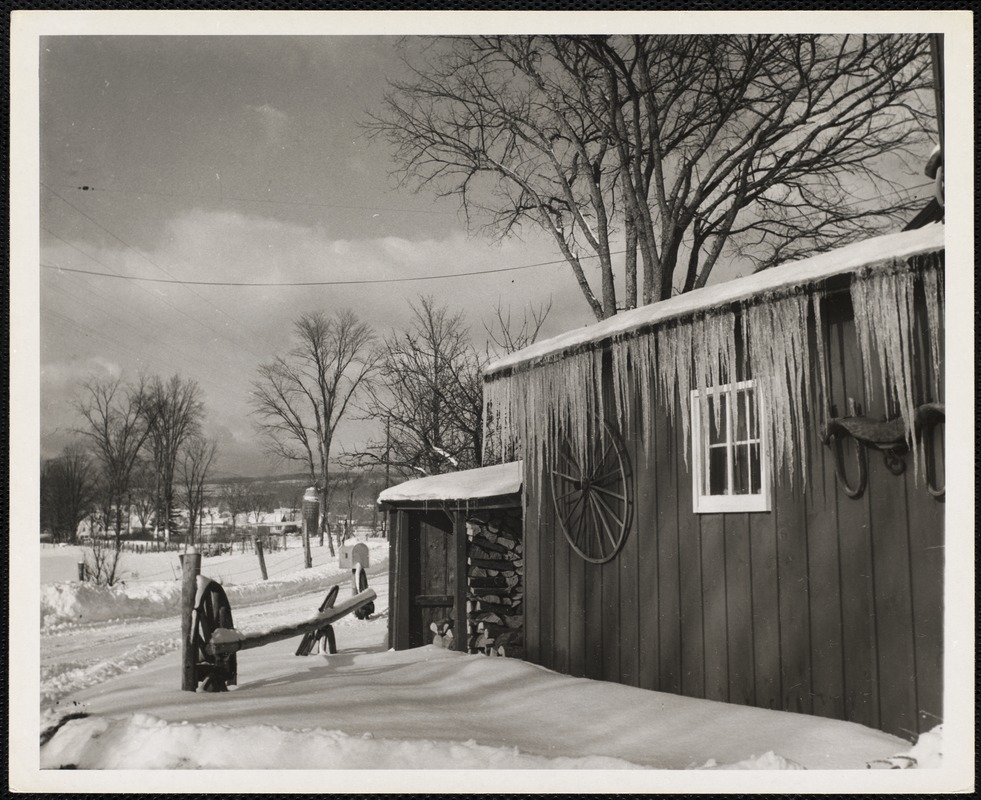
{"x": 432, "y": 573}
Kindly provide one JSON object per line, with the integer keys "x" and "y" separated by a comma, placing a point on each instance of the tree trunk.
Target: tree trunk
{"x": 630, "y": 263}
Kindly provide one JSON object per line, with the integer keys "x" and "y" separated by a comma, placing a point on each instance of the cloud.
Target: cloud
{"x": 219, "y": 335}
{"x": 275, "y": 123}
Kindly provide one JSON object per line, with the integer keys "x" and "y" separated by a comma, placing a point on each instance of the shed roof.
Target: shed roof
{"x": 471, "y": 484}
{"x": 881, "y": 249}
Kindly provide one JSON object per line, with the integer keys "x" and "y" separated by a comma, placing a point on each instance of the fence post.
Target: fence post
{"x": 190, "y": 567}
{"x": 262, "y": 558}
{"x": 81, "y": 570}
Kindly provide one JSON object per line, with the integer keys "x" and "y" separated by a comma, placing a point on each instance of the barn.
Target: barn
{"x": 455, "y": 560}
{"x": 737, "y": 493}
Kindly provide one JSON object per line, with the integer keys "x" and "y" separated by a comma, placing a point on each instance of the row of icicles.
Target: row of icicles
{"x": 523, "y": 410}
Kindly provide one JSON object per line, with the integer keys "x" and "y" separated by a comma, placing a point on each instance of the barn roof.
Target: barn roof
{"x": 471, "y": 484}
{"x": 881, "y": 249}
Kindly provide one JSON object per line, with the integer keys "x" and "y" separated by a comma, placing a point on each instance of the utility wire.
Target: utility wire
{"x": 367, "y": 281}
{"x": 321, "y": 283}
{"x": 156, "y": 265}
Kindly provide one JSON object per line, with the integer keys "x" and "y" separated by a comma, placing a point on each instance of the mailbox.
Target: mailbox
{"x": 351, "y": 554}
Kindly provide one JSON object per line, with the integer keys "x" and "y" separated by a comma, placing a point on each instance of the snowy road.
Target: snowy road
{"x": 78, "y": 656}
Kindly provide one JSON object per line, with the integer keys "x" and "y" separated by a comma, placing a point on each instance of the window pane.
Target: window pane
{"x": 741, "y": 469}
{"x": 717, "y": 470}
{"x": 716, "y": 406}
{"x": 746, "y": 424}
{"x": 755, "y": 469}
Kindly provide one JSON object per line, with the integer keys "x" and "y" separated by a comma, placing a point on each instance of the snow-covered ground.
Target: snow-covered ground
{"x": 110, "y": 659}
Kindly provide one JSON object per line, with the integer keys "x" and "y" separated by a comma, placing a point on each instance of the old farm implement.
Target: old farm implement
{"x": 211, "y": 642}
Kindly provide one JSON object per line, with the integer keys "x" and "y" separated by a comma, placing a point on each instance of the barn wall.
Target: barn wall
{"x": 827, "y": 605}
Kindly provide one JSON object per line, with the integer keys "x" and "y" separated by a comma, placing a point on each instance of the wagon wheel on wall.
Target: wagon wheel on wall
{"x": 213, "y": 611}
{"x": 593, "y": 500}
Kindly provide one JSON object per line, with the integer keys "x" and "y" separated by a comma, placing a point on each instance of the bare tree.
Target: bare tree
{"x": 429, "y": 392}
{"x": 428, "y": 395}
{"x": 673, "y": 150}
{"x": 505, "y": 336}
{"x": 172, "y": 411}
{"x": 299, "y": 399}
{"x": 235, "y": 500}
{"x": 143, "y": 492}
{"x": 257, "y": 500}
{"x": 103, "y": 561}
{"x": 116, "y": 428}
{"x": 194, "y": 464}
{"x": 68, "y": 491}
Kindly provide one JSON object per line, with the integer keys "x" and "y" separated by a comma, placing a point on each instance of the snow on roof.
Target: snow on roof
{"x": 809, "y": 270}
{"x": 470, "y": 484}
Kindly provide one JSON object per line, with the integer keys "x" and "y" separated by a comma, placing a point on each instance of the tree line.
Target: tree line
{"x": 139, "y": 449}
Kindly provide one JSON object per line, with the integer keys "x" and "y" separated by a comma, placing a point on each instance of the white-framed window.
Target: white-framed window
{"x": 728, "y": 451}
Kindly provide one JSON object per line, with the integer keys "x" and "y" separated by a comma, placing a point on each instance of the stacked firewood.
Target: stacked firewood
{"x": 442, "y": 633}
{"x": 495, "y": 586}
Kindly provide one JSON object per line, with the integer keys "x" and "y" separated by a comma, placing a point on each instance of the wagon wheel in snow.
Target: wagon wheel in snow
{"x": 213, "y": 611}
{"x": 593, "y": 499}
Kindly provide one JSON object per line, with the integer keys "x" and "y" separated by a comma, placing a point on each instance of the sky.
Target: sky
{"x": 241, "y": 159}
{"x": 238, "y": 159}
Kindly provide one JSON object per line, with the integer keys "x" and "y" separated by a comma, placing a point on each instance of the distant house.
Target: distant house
{"x": 737, "y": 493}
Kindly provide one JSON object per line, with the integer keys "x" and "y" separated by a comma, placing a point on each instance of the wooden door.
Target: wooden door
{"x": 432, "y": 573}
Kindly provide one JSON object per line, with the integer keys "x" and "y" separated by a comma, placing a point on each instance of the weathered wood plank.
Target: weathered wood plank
{"x": 712, "y": 535}
{"x": 665, "y": 456}
{"x": 828, "y": 679}
{"x": 532, "y": 582}
{"x": 611, "y": 622}
{"x": 547, "y": 531}
{"x": 233, "y": 641}
{"x": 577, "y": 617}
{"x": 594, "y": 621}
{"x": 893, "y": 600}
{"x": 854, "y": 541}
{"x": 794, "y": 595}
{"x": 645, "y": 529}
{"x": 630, "y": 609}
{"x": 690, "y": 555}
{"x": 739, "y": 610}
{"x": 766, "y": 616}
{"x": 926, "y": 528}
{"x": 563, "y": 556}
{"x": 398, "y": 520}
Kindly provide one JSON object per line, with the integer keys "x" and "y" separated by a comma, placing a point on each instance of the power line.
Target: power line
{"x": 409, "y": 279}
{"x": 154, "y": 264}
{"x": 367, "y": 281}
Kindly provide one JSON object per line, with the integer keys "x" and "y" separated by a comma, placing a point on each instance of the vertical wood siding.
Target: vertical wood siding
{"x": 826, "y": 605}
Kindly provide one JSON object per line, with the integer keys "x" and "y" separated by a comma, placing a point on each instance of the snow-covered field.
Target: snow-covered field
{"x": 110, "y": 660}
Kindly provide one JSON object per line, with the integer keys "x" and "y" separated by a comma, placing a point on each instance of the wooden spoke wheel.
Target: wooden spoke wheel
{"x": 213, "y": 612}
{"x": 593, "y": 500}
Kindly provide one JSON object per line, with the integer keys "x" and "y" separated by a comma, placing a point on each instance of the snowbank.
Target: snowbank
{"x": 84, "y": 603}
{"x": 144, "y": 742}
{"x": 437, "y": 709}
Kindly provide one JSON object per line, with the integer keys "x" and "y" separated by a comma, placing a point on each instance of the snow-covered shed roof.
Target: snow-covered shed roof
{"x": 470, "y": 484}
{"x": 881, "y": 249}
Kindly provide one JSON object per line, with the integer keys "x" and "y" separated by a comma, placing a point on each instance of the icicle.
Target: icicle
{"x": 776, "y": 337}
{"x": 882, "y": 300}
{"x": 934, "y": 296}
{"x": 824, "y": 402}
